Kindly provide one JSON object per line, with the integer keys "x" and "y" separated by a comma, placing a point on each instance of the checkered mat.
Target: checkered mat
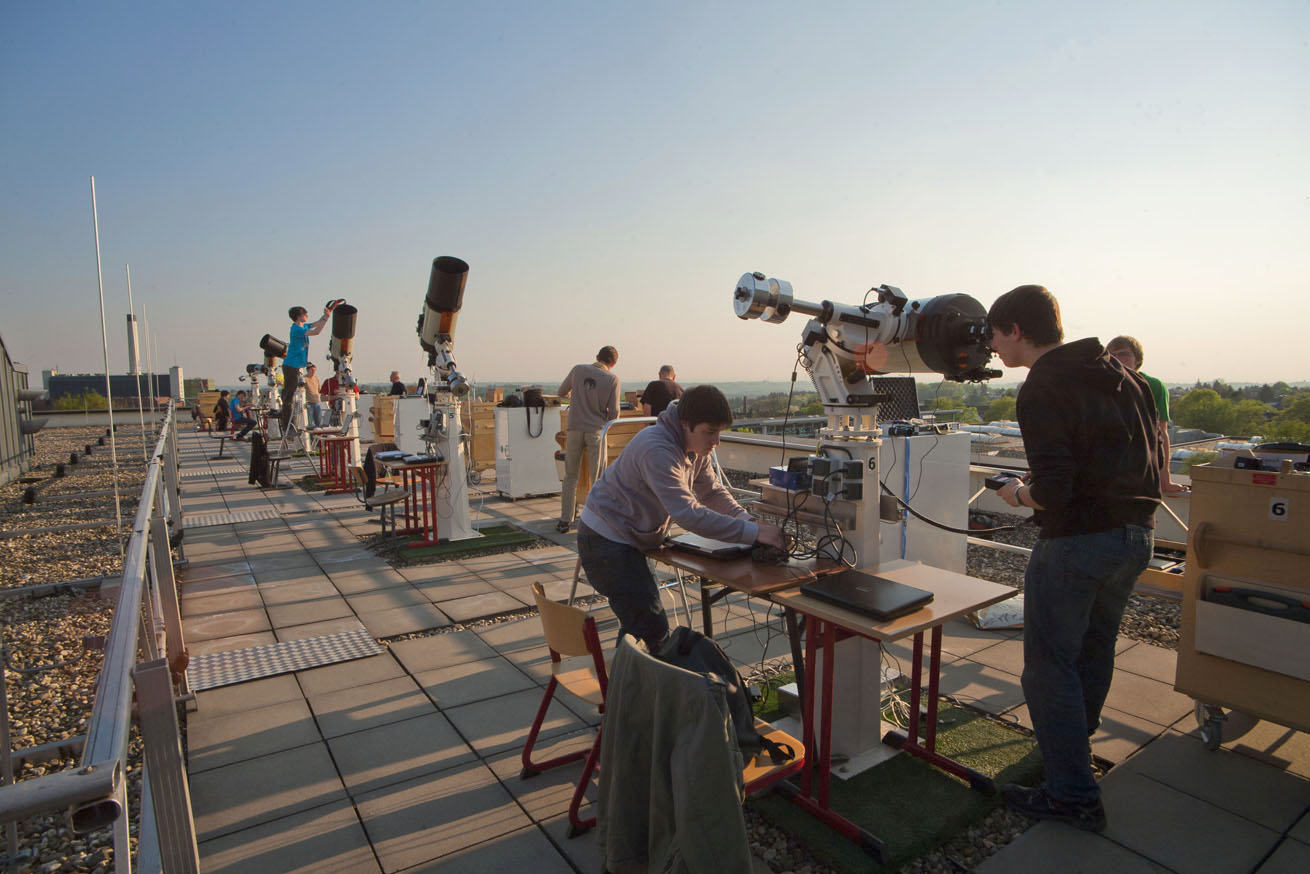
{"x": 213, "y": 471}
{"x": 216, "y": 669}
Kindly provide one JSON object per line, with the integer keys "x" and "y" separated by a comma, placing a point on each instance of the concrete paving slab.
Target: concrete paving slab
{"x": 318, "y": 629}
{"x": 455, "y": 587}
{"x": 227, "y": 644}
{"x": 498, "y": 725}
{"x": 215, "y": 740}
{"x": 1178, "y": 830}
{"x": 487, "y": 563}
{"x": 256, "y": 791}
{"x": 1291, "y": 857}
{"x": 287, "y": 557}
{"x": 312, "y": 589}
{"x": 1050, "y": 846}
{"x": 198, "y": 571}
{"x": 1147, "y": 698}
{"x": 361, "y": 581}
{"x": 480, "y": 606}
{"x": 549, "y": 793}
{"x": 1119, "y": 736}
{"x": 747, "y": 648}
{"x": 241, "y": 697}
{"x": 328, "y": 559}
{"x": 1148, "y": 660}
{"x": 404, "y": 620}
{"x": 345, "y": 675}
{"x": 582, "y": 851}
{"x": 218, "y": 585}
{"x": 435, "y": 572}
{"x": 238, "y": 622}
{"x": 304, "y": 612}
{"x": 465, "y": 683}
{"x": 1006, "y": 655}
{"x": 1249, "y": 788}
{"x": 361, "y": 707}
{"x": 245, "y": 598}
{"x": 980, "y": 686}
{"x": 505, "y": 853}
{"x": 959, "y": 638}
{"x": 399, "y": 751}
{"x": 1301, "y": 831}
{"x": 516, "y": 634}
{"x": 385, "y": 599}
{"x": 324, "y": 839}
{"x": 421, "y": 654}
{"x": 1284, "y": 748}
{"x": 433, "y": 816}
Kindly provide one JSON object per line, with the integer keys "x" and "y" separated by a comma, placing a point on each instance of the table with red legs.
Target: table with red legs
{"x": 825, "y": 624}
{"x": 334, "y": 461}
{"x": 420, "y": 482}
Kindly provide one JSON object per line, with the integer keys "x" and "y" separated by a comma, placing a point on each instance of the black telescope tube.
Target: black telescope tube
{"x": 343, "y": 321}
{"x": 446, "y": 285}
{"x": 274, "y": 347}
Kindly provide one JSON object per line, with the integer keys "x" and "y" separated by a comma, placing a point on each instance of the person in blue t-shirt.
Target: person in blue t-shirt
{"x": 241, "y": 415}
{"x": 298, "y": 355}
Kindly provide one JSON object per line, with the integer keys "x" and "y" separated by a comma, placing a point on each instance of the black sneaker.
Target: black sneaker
{"x": 1037, "y": 804}
{"x": 563, "y": 527}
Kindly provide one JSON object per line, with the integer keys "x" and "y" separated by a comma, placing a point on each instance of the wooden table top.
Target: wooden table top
{"x": 953, "y": 595}
{"x": 744, "y": 574}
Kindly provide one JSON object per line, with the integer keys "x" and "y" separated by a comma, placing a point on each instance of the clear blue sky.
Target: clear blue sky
{"x": 609, "y": 170}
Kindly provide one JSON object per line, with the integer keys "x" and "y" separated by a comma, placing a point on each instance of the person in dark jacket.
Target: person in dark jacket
{"x": 661, "y": 392}
{"x": 1089, "y": 429}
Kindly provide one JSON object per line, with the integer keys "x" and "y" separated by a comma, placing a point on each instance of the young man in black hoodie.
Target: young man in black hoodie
{"x": 1093, "y": 450}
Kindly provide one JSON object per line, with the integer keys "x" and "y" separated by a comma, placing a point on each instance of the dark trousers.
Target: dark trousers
{"x": 290, "y": 382}
{"x": 249, "y": 423}
{"x": 620, "y": 572}
{"x": 1075, "y": 591}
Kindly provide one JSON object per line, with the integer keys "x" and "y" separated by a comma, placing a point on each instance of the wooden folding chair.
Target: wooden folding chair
{"x": 577, "y": 664}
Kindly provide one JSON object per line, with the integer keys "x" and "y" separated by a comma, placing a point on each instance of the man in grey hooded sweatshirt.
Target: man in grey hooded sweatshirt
{"x": 664, "y": 475}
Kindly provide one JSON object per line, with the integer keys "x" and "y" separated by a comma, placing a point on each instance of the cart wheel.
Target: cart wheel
{"x": 1212, "y": 733}
{"x": 1210, "y": 723}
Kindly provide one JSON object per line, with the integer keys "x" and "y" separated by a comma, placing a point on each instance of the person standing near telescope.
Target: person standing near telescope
{"x": 298, "y": 356}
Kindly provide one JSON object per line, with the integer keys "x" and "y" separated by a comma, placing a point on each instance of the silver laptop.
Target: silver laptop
{"x": 707, "y": 546}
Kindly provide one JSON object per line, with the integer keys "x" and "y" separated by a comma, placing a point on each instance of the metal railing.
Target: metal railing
{"x": 144, "y": 659}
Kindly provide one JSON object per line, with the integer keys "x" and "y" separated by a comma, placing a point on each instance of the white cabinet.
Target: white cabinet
{"x": 525, "y": 451}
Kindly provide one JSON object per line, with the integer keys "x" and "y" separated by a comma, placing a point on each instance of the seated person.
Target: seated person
{"x": 241, "y": 415}
{"x": 663, "y": 475}
{"x": 222, "y": 411}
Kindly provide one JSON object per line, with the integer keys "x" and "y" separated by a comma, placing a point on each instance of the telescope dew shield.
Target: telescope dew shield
{"x": 442, "y": 303}
{"x": 272, "y": 346}
{"x": 343, "y": 330}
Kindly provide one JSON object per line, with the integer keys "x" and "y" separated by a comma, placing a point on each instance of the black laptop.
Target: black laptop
{"x": 878, "y": 597}
{"x": 708, "y": 547}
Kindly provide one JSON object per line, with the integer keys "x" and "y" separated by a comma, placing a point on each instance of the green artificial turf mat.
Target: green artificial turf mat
{"x": 495, "y": 538}
{"x": 907, "y": 803}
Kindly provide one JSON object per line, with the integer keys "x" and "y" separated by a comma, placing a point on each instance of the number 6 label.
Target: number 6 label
{"x": 1278, "y": 509}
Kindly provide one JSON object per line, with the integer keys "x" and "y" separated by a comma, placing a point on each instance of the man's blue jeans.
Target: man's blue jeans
{"x": 620, "y": 572}
{"x": 1075, "y": 591}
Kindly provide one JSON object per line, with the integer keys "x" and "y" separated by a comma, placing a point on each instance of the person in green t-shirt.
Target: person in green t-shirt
{"x": 1129, "y": 352}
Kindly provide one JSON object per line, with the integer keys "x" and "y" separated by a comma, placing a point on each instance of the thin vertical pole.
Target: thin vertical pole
{"x": 140, "y": 402}
{"x": 109, "y": 391}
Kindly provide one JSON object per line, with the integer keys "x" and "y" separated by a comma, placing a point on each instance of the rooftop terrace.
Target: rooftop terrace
{"x": 408, "y": 760}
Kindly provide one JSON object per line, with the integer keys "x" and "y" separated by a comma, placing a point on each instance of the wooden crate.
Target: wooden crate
{"x": 1249, "y": 530}
{"x": 480, "y": 422}
{"x": 383, "y": 416}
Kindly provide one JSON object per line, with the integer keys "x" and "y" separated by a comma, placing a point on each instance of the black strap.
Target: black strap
{"x": 778, "y": 753}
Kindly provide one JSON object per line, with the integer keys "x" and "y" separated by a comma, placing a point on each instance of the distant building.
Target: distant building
{"x": 123, "y": 385}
